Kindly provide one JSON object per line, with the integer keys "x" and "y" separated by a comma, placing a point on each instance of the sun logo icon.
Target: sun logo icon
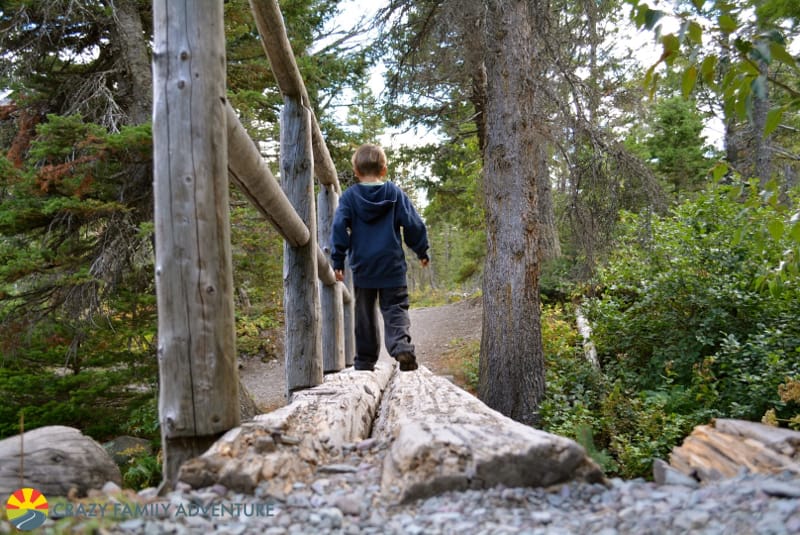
{"x": 27, "y": 509}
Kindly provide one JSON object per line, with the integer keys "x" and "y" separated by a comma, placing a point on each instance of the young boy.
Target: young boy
{"x": 367, "y": 224}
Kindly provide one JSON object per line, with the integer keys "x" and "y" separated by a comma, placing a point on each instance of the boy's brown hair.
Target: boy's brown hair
{"x": 369, "y": 160}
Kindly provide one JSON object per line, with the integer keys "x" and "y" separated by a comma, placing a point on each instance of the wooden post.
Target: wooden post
{"x": 198, "y": 394}
{"x": 349, "y": 319}
{"x": 301, "y": 303}
{"x": 330, "y": 295}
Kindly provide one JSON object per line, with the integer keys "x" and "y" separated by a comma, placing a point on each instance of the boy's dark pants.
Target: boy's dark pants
{"x": 396, "y": 324}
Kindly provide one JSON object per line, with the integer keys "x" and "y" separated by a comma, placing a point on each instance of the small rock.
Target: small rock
{"x": 366, "y": 444}
{"x": 541, "y": 517}
{"x": 664, "y": 474}
{"x": 148, "y": 493}
{"x": 111, "y": 488}
{"x": 320, "y": 485}
{"x": 349, "y": 505}
{"x": 333, "y": 516}
{"x": 337, "y": 468}
{"x": 781, "y": 489}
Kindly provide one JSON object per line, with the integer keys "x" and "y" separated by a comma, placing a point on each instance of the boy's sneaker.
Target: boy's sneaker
{"x": 364, "y": 367}
{"x": 408, "y": 362}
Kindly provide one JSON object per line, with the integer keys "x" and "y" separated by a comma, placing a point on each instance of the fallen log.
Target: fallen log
{"x": 446, "y": 439}
{"x": 288, "y": 444}
{"x": 727, "y": 447}
{"x": 57, "y": 461}
{"x": 782, "y": 440}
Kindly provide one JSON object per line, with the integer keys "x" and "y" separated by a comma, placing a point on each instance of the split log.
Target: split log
{"x": 730, "y": 446}
{"x": 289, "y": 443}
{"x": 57, "y": 461}
{"x": 783, "y": 441}
{"x": 446, "y": 439}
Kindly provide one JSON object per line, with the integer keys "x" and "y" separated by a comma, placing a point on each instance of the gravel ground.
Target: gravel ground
{"x": 346, "y": 498}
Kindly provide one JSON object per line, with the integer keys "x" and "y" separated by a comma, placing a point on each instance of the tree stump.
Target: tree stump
{"x": 446, "y": 439}
{"x": 57, "y": 459}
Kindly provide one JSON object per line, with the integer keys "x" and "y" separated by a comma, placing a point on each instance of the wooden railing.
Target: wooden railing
{"x": 195, "y": 158}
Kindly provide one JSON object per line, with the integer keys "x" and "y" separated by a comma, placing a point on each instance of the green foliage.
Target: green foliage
{"x": 143, "y": 471}
{"x": 676, "y": 145}
{"x": 686, "y": 329}
{"x": 723, "y": 32}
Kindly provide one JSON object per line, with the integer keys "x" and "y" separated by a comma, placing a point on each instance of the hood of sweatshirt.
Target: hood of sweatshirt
{"x": 372, "y": 202}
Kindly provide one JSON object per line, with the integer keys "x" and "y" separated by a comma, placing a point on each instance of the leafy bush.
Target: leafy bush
{"x": 690, "y": 325}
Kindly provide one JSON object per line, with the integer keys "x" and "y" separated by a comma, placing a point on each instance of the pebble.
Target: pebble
{"x": 345, "y": 498}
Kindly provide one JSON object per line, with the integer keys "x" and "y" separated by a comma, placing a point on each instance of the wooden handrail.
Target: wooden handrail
{"x": 275, "y": 41}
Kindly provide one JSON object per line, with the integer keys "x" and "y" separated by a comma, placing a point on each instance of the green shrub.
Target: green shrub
{"x": 690, "y": 325}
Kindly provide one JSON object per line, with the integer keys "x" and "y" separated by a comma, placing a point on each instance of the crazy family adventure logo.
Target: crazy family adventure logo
{"x": 27, "y": 509}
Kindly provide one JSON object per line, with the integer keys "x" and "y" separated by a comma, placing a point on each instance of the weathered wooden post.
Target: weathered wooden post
{"x": 333, "y": 358}
{"x": 198, "y": 393}
{"x": 349, "y": 319}
{"x": 301, "y": 303}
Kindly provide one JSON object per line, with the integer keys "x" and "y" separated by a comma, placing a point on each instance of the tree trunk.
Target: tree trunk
{"x": 512, "y": 361}
{"x": 761, "y": 151}
{"x": 133, "y": 48}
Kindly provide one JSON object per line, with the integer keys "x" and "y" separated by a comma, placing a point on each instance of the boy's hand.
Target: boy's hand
{"x": 424, "y": 262}
{"x": 339, "y": 275}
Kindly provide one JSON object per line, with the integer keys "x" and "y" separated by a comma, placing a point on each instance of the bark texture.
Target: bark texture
{"x": 290, "y": 443}
{"x": 445, "y": 439}
{"x": 198, "y": 376}
{"x": 303, "y": 342}
{"x": 512, "y": 361}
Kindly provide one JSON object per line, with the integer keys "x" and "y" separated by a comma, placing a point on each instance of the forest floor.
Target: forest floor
{"x": 436, "y": 332}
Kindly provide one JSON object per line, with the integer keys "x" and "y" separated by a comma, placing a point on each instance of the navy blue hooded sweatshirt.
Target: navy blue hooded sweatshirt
{"x": 373, "y": 215}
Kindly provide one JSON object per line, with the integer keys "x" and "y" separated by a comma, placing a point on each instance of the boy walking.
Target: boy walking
{"x": 367, "y": 224}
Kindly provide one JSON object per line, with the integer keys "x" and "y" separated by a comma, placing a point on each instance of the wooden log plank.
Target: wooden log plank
{"x": 58, "y": 461}
{"x": 250, "y": 173}
{"x": 303, "y": 342}
{"x": 198, "y": 371}
{"x": 332, "y": 306}
{"x": 705, "y": 462}
{"x": 785, "y": 441}
{"x": 711, "y": 453}
{"x": 275, "y": 41}
{"x": 773, "y": 461}
{"x": 446, "y": 439}
{"x": 731, "y": 448}
{"x": 289, "y": 443}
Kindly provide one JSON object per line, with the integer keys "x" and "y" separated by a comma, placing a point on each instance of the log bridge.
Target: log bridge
{"x": 442, "y": 436}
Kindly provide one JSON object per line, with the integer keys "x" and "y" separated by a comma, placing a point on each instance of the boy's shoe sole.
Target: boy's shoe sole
{"x": 408, "y": 362}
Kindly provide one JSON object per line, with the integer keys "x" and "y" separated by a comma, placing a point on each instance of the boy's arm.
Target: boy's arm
{"x": 414, "y": 232}
{"x": 340, "y": 238}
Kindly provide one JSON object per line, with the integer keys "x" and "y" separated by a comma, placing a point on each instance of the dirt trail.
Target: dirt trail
{"x": 433, "y": 332}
